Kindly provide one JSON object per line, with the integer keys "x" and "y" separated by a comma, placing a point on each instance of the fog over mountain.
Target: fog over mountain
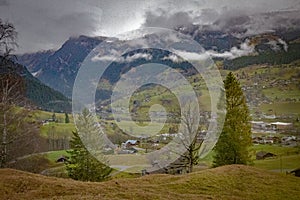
{"x": 238, "y": 22}
{"x": 44, "y": 25}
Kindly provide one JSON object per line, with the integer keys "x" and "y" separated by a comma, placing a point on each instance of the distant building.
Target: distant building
{"x": 273, "y": 127}
{"x": 130, "y": 143}
{"x": 263, "y": 155}
{"x": 269, "y": 116}
{"x": 264, "y": 140}
{"x": 296, "y": 172}
{"x": 179, "y": 166}
{"x": 62, "y": 159}
{"x": 289, "y": 141}
{"x": 281, "y": 126}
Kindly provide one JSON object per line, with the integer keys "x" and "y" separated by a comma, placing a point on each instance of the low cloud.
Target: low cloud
{"x": 138, "y": 56}
{"x": 166, "y": 20}
{"x": 240, "y": 21}
{"x": 117, "y": 57}
{"x": 173, "y": 58}
{"x": 187, "y": 55}
{"x": 245, "y": 49}
{"x": 285, "y": 45}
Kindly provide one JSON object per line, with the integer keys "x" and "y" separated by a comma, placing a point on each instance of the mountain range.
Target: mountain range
{"x": 58, "y": 68}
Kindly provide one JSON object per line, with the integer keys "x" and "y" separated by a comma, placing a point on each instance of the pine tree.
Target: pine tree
{"x": 67, "y": 120}
{"x": 82, "y": 165}
{"x": 235, "y": 139}
{"x": 54, "y": 119}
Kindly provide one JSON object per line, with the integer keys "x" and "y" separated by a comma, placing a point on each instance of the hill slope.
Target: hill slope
{"x": 229, "y": 182}
{"x": 58, "y": 69}
{"x": 36, "y": 92}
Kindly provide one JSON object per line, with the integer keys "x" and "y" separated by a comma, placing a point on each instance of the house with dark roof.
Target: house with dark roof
{"x": 130, "y": 143}
{"x": 263, "y": 155}
{"x": 296, "y": 172}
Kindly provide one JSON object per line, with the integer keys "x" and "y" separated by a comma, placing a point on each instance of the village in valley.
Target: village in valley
{"x": 147, "y": 100}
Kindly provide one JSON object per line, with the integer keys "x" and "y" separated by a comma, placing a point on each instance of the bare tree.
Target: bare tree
{"x": 189, "y": 139}
{"x": 19, "y": 134}
{"x": 8, "y": 95}
{"x": 185, "y": 147}
{"x": 8, "y": 36}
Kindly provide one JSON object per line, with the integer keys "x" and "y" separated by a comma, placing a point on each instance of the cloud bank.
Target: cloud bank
{"x": 45, "y": 24}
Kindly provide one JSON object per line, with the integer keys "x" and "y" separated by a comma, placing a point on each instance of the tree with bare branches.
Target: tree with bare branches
{"x": 8, "y": 36}
{"x": 186, "y": 144}
{"x": 189, "y": 138}
{"x": 19, "y": 134}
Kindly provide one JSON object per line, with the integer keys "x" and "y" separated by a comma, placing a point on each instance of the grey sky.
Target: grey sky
{"x": 46, "y": 24}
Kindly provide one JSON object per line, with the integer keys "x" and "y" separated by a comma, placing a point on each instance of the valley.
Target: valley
{"x": 149, "y": 100}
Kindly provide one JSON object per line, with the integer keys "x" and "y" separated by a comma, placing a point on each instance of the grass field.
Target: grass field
{"x": 228, "y": 182}
{"x": 43, "y": 115}
{"x": 57, "y": 130}
{"x": 282, "y": 94}
{"x": 54, "y": 155}
{"x": 280, "y": 163}
{"x": 281, "y": 108}
{"x": 275, "y": 149}
{"x": 140, "y": 127}
{"x": 287, "y": 157}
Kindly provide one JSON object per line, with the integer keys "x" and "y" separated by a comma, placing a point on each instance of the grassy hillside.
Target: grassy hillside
{"x": 287, "y": 158}
{"x": 229, "y": 182}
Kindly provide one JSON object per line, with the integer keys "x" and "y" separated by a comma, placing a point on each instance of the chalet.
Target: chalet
{"x": 281, "y": 126}
{"x": 62, "y": 159}
{"x": 265, "y": 140}
{"x": 46, "y": 121}
{"x": 130, "y": 143}
{"x": 289, "y": 140}
{"x": 263, "y": 155}
{"x": 269, "y": 116}
{"x": 273, "y": 127}
{"x": 179, "y": 166}
{"x": 257, "y": 140}
{"x": 296, "y": 172}
{"x": 260, "y": 126}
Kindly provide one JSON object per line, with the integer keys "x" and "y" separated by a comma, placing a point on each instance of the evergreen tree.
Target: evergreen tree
{"x": 54, "y": 117}
{"x": 82, "y": 165}
{"x": 235, "y": 139}
{"x": 67, "y": 120}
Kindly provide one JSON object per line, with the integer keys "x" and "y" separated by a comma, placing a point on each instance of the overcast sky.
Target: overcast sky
{"x": 46, "y": 24}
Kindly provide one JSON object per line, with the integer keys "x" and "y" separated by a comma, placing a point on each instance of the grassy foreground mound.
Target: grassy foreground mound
{"x": 228, "y": 182}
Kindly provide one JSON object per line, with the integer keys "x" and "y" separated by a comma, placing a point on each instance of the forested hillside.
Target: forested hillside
{"x": 37, "y": 93}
